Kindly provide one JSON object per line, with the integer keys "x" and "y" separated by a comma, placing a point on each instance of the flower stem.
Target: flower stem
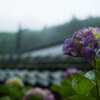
{"x": 96, "y": 76}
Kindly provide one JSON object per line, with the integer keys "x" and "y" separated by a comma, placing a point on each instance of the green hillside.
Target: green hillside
{"x": 7, "y": 42}
{"x": 32, "y": 40}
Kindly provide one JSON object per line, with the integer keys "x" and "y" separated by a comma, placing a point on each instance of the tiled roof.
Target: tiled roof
{"x": 44, "y": 78}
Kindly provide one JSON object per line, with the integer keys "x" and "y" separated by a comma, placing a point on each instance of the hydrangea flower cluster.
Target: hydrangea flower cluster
{"x": 71, "y": 70}
{"x": 84, "y": 42}
{"x": 15, "y": 82}
{"x": 44, "y": 94}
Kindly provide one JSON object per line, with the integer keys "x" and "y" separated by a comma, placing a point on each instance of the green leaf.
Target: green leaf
{"x": 5, "y": 98}
{"x": 84, "y": 86}
{"x": 14, "y": 93}
{"x": 66, "y": 82}
{"x": 80, "y": 97}
{"x": 64, "y": 91}
{"x": 55, "y": 88}
{"x": 74, "y": 82}
{"x": 33, "y": 97}
{"x": 94, "y": 93}
{"x": 25, "y": 89}
{"x": 78, "y": 76}
{"x": 90, "y": 75}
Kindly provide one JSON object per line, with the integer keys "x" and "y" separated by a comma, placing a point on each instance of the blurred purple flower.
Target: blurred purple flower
{"x": 49, "y": 95}
{"x": 71, "y": 70}
{"x": 44, "y": 94}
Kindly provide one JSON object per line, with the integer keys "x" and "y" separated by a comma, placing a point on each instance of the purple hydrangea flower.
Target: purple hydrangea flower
{"x": 91, "y": 44}
{"x": 44, "y": 94}
{"x": 71, "y": 46}
{"x": 66, "y": 47}
{"x": 71, "y": 70}
{"x": 88, "y": 54}
{"x": 75, "y": 48}
{"x": 85, "y": 41}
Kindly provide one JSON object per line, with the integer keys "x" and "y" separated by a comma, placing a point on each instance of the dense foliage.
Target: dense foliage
{"x": 76, "y": 86}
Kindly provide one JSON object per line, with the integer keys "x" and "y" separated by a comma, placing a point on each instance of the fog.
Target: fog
{"x": 37, "y": 14}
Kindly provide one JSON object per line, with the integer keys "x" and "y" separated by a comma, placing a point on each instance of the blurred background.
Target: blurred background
{"x": 32, "y": 33}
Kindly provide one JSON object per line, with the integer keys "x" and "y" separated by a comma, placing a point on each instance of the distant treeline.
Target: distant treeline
{"x": 32, "y": 40}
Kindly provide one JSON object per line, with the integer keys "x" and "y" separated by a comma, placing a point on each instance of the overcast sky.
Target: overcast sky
{"x": 36, "y": 14}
